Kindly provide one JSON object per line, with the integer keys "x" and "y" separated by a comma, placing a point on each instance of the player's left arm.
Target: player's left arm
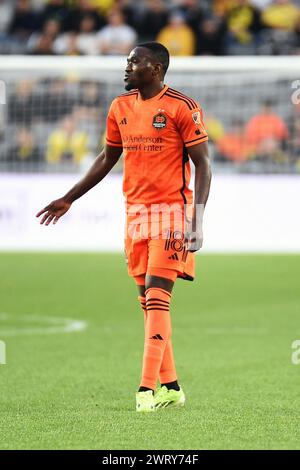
{"x": 194, "y": 136}
{"x": 200, "y": 157}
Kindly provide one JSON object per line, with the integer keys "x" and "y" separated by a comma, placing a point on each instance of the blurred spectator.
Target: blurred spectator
{"x": 243, "y": 23}
{"x": 192, "y": 12}
{"x": 295, "y": 141}
{"x": 130, "y": 10}
{"x": 281, "y": 20}
{"x": 261, "y": 4}
{"x": 294, "y": 126}
{"x": 67, "y": 44}
{"x": 84, "y": 8}
{"x": 267, "y": 132}
{"x": 56, "y": 102}
{"x": 67, "y": 144}
{"x": 116, "y": 38}
{"x": 282, "y": 14}
{"x": 22, "y": 103}
{"x": 85, "y": 42}
{"x": 234, "y": 145}
{"x": 51, "y": 29}
{"x": 24, "y": 148}
{"x": 151, "y": 20}
{"x": 57, "y": 10}
{"x": 278, "y": 42}
{"x": 220, "y": 27}
{"x": 72, "y": 44}
{"x": 91, "y": 95}
{"x": 211, "y": 36}
{"x": 103, "y": 6}
{"x": 297, "y": 39}
{"x": 24, "y": 21}
{"x": 88, "y": 112}
{"x": 44, "y": 45}
{"x": 177, "y": 36}
{"x": 214, "y": 127}
{"x": 220, "y": 7}
{"x": 6, "y": 15}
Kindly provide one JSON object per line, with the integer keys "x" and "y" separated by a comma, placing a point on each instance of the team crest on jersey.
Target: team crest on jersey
{"x": 196, "y": 117}
{"x": 159, "y": 121}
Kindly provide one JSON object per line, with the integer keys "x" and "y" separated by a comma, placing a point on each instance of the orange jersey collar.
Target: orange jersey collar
{"x": 156, "y": 97}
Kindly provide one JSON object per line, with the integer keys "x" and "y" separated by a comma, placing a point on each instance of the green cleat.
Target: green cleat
{"x": 164, "y": 398}
{"x": 145, "y": 401}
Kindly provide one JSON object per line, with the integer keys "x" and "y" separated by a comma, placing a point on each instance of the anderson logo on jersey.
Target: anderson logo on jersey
{"x": 159, "y": 121}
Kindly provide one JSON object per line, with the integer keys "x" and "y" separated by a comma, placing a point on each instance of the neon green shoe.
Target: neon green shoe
{"x": 145, "y": 401}
{"x": 164, "y": 398}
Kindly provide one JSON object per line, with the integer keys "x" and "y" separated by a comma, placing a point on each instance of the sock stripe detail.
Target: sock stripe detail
{"x": 156, "y": 299}
{"x": 155, "y": 304}
{"x": 156, "y": 308}
{"x": 158, "y": 289}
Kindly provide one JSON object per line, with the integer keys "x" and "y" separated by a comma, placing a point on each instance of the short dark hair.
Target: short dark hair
{"x": 159, "y": 52}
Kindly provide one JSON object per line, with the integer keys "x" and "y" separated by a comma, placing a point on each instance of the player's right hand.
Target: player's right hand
{"x": 54, "y": 211}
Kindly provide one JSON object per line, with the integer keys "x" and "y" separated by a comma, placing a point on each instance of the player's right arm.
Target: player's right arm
{"x": 100, "y": 168}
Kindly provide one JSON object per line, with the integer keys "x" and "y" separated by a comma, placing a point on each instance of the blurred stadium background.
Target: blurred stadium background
{"x": 61, "y": 64}
{"x": 55, "y": 117}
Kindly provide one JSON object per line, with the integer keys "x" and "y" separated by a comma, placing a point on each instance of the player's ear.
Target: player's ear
{"x": 157, "y": 69}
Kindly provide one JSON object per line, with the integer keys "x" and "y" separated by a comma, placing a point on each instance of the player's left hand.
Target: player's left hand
{"x": 194, "y": 244}
{"x": 193, "y": 237}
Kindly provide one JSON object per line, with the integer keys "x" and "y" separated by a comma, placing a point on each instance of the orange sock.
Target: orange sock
{"x": 167, "y": 371}
{"x": 157, "y": 334}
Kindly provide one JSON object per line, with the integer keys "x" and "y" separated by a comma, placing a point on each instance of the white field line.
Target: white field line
{"x": 50, "y": 325}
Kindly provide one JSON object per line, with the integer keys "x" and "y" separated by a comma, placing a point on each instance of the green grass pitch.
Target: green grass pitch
{"x": 233, "y": 329}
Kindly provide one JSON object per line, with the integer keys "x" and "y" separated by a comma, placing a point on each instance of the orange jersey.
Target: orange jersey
{"x": 155, "y": 135}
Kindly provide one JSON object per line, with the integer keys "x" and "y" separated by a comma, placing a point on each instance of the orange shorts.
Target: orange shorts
{"x": 146, "y": 249}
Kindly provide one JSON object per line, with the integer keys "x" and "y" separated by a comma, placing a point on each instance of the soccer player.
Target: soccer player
{"x": 158, "y": 130}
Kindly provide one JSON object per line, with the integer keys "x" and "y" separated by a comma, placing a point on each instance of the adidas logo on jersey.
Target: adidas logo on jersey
{"x": 157, "y": 337}
{"x": 124, "y": 121}
{"x": 174, "y": 256}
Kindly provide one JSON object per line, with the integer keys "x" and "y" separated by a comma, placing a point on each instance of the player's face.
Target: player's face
{"x": 140, "y": 70}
